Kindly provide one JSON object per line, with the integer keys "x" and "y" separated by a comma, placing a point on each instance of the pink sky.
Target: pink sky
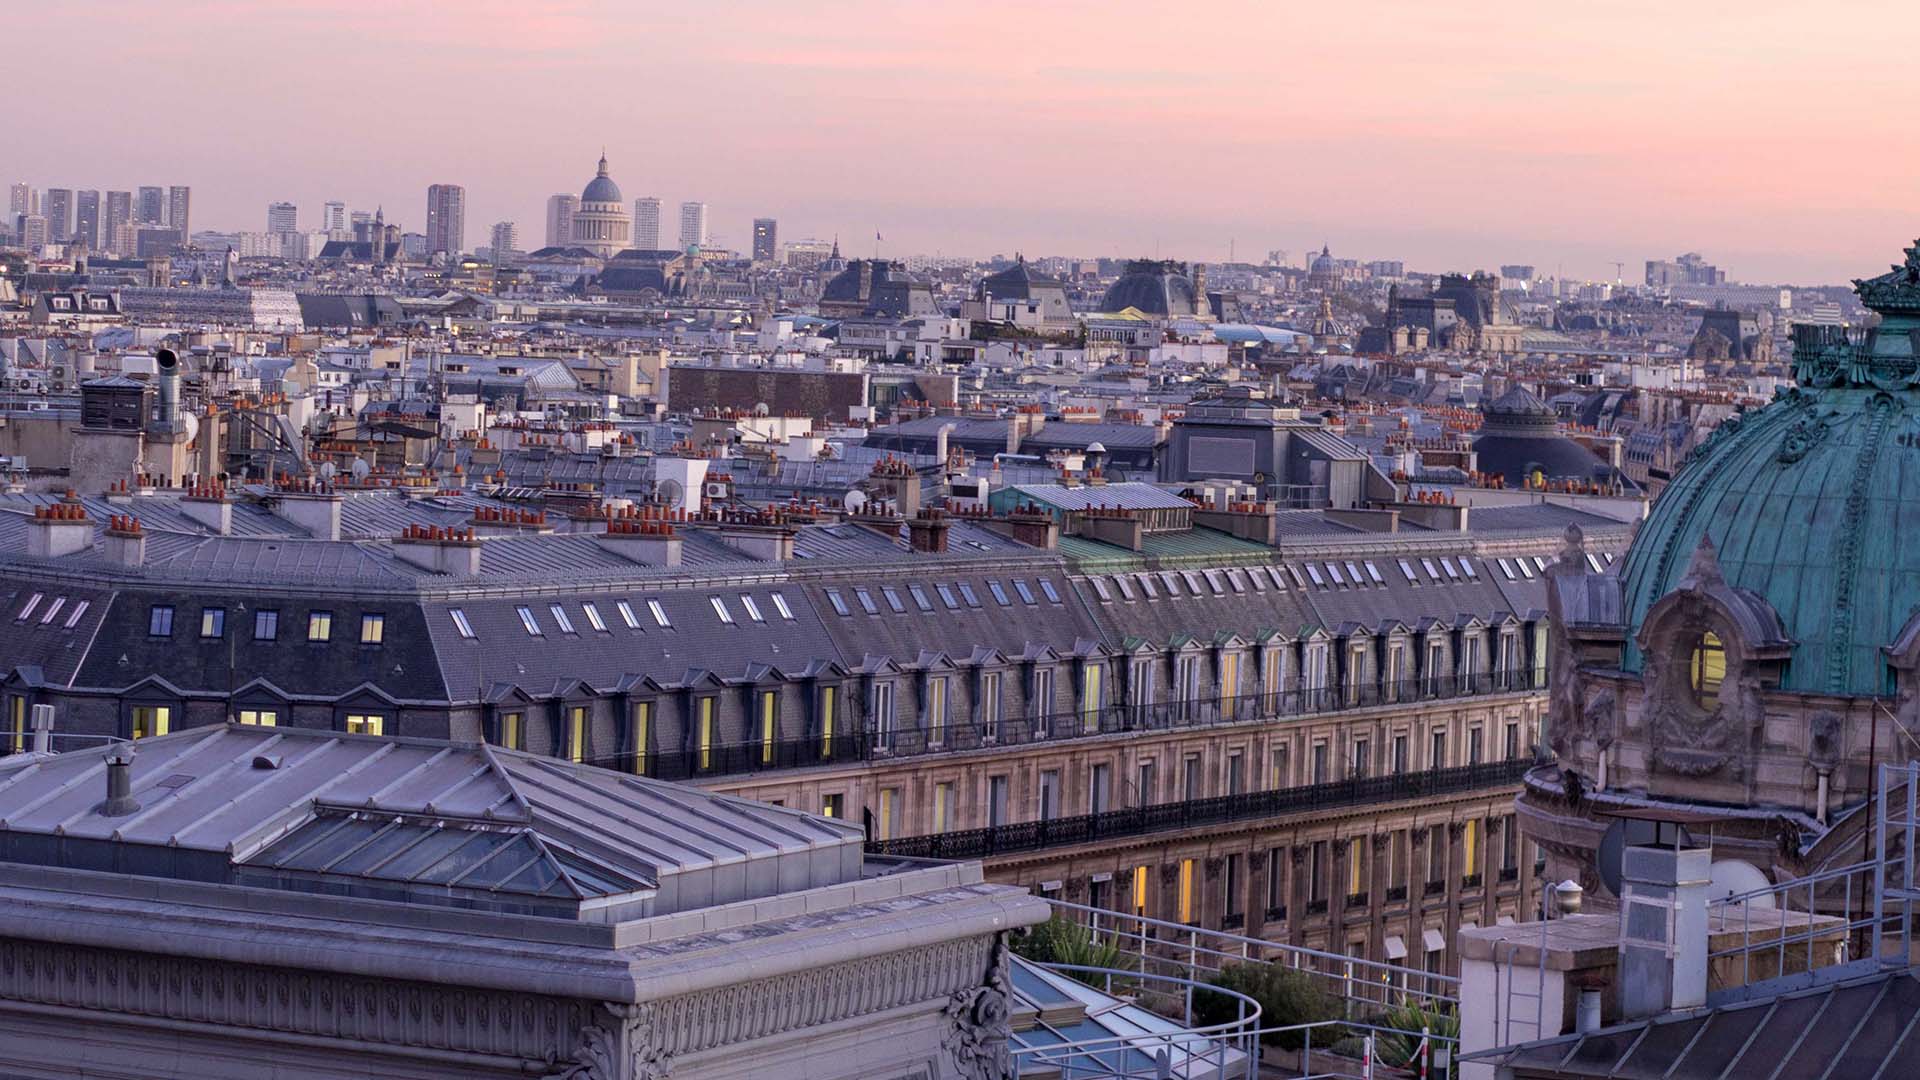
{"x": 1776, "y": 138}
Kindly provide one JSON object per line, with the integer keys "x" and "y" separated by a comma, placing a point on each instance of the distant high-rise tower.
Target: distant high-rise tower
{"x": 119, "y": 216}
{"x": 180, "y": 211}
{"x": 505, "y": 241}
{"x": 19, "y": 200}
{"x": 58, "y": 210}
{"x": 693, "y": 225}
{"x": 86, "y": 219}
{"x": 282, "y": 217}
{"x": 32, "y": 231}
{"x": 446, "y": 219}
{"x": 646, "y": 223}
{"x": 151, "y": 207}
{"x": 560, "y": 209}
{"x": 333, "y": 217}
{"x": 766, "y": 243}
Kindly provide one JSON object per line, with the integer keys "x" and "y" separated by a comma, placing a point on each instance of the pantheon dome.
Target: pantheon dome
{"x": 602, "y": 224}
{"x": 1156, "y": 287}
{"x": 1757, "y": 651}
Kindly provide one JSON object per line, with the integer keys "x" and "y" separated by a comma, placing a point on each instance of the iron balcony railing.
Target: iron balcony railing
{"x": 909, "y": 737}
{"x": 1196, "y": 813}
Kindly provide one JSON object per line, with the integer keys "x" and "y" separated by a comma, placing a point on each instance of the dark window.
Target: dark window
{"x": 160, "y": 620}
{"x": 266, "y": 625}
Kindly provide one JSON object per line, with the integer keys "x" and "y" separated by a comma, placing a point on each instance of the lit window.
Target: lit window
{"x": 919, "y": 598}
{"x": 866, "y": 601}
{"x": 32, "y": 603}
{"x": 1707, "y": 669}
{"x": 59, "y": 602}
{"x": 720, "y": 609}
{"x": 967, "y": 594}
{"x": 259, "y": 717}
{"x": 213, "y": 622}
{"x": 659, "y": 615}
{"x": 642, "y": 735}
{"x": 319, "y": 625}
{"x": 780, "y": 605}
{"x": 1053, "y": 595}
{"x": 159, "y": 618}
{"x": 373, "y": 628}
{"x": 1026, "y": 594}
{"x": 150, "y": 721}
{"x": 513, "y": 730}
{"x": 752, "y": 609}
{"x": 266, "y": 625}
{"x": 593, "y": 617}
{"x": 366, "y": 724}
{"x": 893, "y": 599}
{"x": 79, "y": 609}
{"x": 561, "y": 619}
{"x": 527, "y": 620}
{"x": 577, "y": 733}
{"x": 839, "y": 602}
{"x": 626, "y": 614}
{"x": 999, "y": 594}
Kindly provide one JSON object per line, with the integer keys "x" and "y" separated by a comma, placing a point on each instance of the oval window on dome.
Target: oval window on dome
{"x": 1706, "y": 669}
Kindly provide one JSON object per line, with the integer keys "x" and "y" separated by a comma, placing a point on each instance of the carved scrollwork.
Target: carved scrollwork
{"x": 978, "y": 1027}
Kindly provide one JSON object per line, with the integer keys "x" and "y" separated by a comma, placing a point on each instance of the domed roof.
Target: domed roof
{"x": 601, "y": 188}
{"x": 1323, "y": 263}
{"x": 1809, "y": 500}
{"x": 1155, "y": 287}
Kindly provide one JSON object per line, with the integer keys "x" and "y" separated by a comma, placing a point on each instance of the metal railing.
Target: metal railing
{"x": 1360, "y": 987}
{"x": 1197, "y": 1052}
{"x": 882, "y": 741}
{"x": 1834, "y": 923}
{"x": 1195, "y": 813}
{"x": 1096, "y": 1058}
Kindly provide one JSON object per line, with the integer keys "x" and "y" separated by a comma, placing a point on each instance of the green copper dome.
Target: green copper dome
{"x": 1813, "y": 501}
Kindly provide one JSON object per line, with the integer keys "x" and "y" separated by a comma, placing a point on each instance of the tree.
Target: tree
{"x": 1398, "y": 1046}
{"x": 1063, "y": 941}
{"x": 1287, "y": 996}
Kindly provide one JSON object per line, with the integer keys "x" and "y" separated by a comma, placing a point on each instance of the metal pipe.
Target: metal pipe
{"x": 169, "y": 364}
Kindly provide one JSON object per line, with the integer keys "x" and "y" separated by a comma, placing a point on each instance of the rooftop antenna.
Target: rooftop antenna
{"x": 1619, "y": 271}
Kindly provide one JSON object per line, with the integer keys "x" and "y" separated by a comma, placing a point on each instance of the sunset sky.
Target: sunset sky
{"x": 1779, "y": 139}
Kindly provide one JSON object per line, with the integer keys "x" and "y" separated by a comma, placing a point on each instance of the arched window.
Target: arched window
{"x": 1706, "y": 669}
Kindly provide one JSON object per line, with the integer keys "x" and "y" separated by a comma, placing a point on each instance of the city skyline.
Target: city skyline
{"x": 1570, "y": 144}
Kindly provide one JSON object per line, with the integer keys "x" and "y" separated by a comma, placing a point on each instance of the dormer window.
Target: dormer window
{"x": 1706, "y": 670}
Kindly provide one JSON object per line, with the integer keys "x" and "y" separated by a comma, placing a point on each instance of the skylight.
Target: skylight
{"x": 720, "y": 609}
{"x": 659, "y": 615}
{"x": 780, "y": 605}
{"x": 626, "y": 614}
{"x": 460, "y": 622}
{"x": 560, "y": 618}
{"x": 593, "y": 617}
{"x": 527, "y": 620}
{"x": 752, "y": 609}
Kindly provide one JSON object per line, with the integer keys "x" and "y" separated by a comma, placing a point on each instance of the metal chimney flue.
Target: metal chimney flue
{"x": 120, "y": 801}
{"x": 42, "y": 728}
{"x": 169, "y": 364}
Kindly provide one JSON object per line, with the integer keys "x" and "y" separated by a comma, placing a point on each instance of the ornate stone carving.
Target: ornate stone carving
{"x": 1213, "y": 866}
{"x": 1169, "y": 874}
{"x": 1825, "y": 729}
{"x": 978, "y": 1028}
{"x": 628, "y": 1050}
{"x": 1299, "y": 855}
{"x": 1805, "y": 434}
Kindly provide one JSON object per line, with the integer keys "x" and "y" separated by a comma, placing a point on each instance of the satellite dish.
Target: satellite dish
{"x": 328, "y": 470}
{"x": 360, "y": 469}
{"x": 855, "y": 501}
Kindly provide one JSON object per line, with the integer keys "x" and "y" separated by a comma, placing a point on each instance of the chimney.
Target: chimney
{"x": 767, "y": 543}
{"x": 312, "y": 505}
{"x": 647, "y": 541}
{"x": 1663, "y": 929}
{"x": 928, "y": 531}
{"x": 169, "y": 364}
{"x": 438, "y": 550}
{"x": 1035, "y": 528}
{"x": 208, "y": 505}
{"x": 940, "y": 443}
{"x": 60, "y": 529}
{"x": 125, "y": 543}
{"x": 120, "y": 801}
{"x": 42, "y": 728}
